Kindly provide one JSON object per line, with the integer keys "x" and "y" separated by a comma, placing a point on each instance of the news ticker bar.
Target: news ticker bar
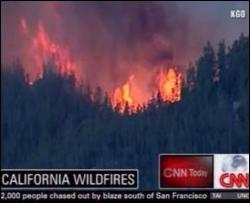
{"x": 69, "y": 179}
{"x": 122, "y": 195}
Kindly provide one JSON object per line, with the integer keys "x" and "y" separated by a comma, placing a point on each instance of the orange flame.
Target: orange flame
{"x": 122, "y": 96}
{"x": 43, "y": 48}
{"x": 47, "y": 49}
{"x": 170, "y": 85}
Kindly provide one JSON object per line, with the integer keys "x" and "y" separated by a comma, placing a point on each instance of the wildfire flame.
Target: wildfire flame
{"x": 122, "y": 96}
{"x": 43, "y": 48}
{"x": 170, "y": 85}
{"x": 129, "y": 95}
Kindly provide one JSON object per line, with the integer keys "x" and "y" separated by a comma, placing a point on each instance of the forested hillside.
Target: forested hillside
{"x": 52, "y": 124}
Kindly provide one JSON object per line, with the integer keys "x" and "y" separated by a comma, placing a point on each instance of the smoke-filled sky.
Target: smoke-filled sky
{"x": 109, "y": 41}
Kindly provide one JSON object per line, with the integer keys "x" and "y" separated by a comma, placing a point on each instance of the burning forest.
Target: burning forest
{"x": 167, "y": 81}
{"x": 131, "y": 66}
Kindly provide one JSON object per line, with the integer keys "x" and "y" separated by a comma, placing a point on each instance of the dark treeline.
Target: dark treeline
{"x": 52, "y": 124}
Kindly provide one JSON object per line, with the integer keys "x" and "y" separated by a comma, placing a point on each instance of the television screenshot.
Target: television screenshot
{"x": 124, "y": 100}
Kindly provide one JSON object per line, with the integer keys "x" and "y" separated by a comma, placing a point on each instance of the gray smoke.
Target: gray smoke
{"x": 112, "y": 40}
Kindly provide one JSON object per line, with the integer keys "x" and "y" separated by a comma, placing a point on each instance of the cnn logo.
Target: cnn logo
{"x": 231, "y": 171}
{"x": 230, "y": 180}
{"x": 238, "y": 14}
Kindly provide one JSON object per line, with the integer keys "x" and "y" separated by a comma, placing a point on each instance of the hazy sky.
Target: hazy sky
{"x": 203, "y": 14}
